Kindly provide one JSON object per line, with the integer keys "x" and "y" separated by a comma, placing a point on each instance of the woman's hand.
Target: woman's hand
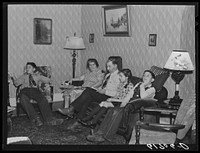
{"x": 70, "y": 81}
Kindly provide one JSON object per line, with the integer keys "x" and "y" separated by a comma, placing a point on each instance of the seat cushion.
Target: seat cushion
{"x": 153, "y": 137}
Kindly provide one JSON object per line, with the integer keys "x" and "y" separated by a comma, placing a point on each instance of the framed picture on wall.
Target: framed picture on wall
{"x": 91, "y": 38}
{"x": 152, "y": 39}
{"x": 116, "y": 20}
{"x": 42, "y": 31}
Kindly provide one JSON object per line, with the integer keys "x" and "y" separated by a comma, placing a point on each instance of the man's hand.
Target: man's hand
{"x": 102, "y": 91}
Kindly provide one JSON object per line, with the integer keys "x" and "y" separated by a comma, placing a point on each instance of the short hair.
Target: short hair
{"x": 152, "y": 74}
{"x": 90, "y": 60}
{"x": 114, "y": 60}
{"x": 127, "y": 73}
{"x": 32, "y": 64}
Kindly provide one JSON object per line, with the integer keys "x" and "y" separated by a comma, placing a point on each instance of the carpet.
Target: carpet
{"x": 55, "y": 135}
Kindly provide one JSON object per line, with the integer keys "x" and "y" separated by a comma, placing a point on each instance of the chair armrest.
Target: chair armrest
{"x": 158, "y": 127}
{"x": 144, "y": 99}
{"x": 159, "y": 110}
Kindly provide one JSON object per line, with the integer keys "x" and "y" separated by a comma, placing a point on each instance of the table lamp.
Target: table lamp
{"x": 74, "y": 43}
{"x": 179, "y": 63}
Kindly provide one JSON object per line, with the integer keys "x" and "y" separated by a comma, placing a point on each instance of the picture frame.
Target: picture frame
{"x": 42, "y": 31}
{"x": 152, "y": 39}
{"x": 116, "y": 20}
{"x": 91, "y": 38}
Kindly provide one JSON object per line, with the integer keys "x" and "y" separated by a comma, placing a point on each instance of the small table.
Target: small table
{"x": 159, "y": 111}
{"x": 9, "y": 115}
{"x": 66, "y": 91}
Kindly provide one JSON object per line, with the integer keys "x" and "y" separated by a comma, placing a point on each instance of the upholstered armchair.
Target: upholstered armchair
{"x": 155, "y": 133}
{"x": 161, "y": 94}
{"x": 46, "y": 89}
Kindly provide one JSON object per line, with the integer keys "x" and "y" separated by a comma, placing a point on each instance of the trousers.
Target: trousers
{"x": 111, "y": 121}
{"x": 129, "y": 115}
{"x": 34, "y": 93}
{"x": 88, "y": 96}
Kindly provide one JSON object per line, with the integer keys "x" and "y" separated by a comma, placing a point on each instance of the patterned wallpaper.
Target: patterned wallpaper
{"x": 174, "y": 26}
{"x": 66, "y": 19}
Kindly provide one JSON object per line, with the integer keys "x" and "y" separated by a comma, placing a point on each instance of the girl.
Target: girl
{"x": 111, "y": 121}
{"x": 122, "y": 97}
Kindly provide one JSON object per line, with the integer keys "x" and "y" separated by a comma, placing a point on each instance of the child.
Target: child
{"x": 110, "y": 123}
{"x": 123, "y": 96}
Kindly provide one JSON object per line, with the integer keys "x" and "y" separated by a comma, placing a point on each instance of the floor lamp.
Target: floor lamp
{"x": 179, "y": 63}
{"x": 74, "y": 43}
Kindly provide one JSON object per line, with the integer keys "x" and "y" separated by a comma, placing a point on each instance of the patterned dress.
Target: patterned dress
{"x": 122, "y": 91}
{"x": 90, "y": 78}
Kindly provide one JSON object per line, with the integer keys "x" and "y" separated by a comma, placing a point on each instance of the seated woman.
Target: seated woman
{"x": 112, "y": 120}
{"x": 123, "y": 96}
{"x": 92, "y": 78}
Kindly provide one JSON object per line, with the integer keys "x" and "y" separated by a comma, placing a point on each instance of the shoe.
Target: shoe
{"x": 95, "y": 138}
{"x": 37, "y": 122}
{"x": 84, "y": 123}
{"x": 72, "y": 126}
{"x": 66, "y": 112}
{"x": 92, "y": 125}
{"x": 55, "y": 121}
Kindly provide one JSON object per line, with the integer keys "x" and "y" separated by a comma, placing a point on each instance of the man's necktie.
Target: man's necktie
{"x": 105, "y": 82}
{"x": 31, "y": 81}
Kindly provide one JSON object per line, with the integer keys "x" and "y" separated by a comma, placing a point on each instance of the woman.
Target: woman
{"x": 123, "y": 96}
{"x": 92, "y": 78}
{"x": 112, "y": 120}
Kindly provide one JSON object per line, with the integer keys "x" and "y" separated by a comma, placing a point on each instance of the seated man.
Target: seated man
{"x": 107, "y": 90}
{"x": 29, "y": 90}
{"x": 112, "y": 119}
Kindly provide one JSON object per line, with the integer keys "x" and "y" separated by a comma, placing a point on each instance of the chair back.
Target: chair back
{"x": 46, "y": 89}
{"x": 161, "y": 76}
{"x": 186, "y": 115}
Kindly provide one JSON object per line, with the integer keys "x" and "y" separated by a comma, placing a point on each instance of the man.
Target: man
{"x": 107, "y": 90}
{"x": 29, "y": 90}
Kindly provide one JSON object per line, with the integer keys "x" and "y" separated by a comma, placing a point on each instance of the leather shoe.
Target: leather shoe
{"x": 55, "y": 121}
{"x": 37, "y": 122}
{"x": 92, "y": 125}
{"x": 66, "y": 112}
{"x": 83, "y": 122}
{"x": 95, "y": 138}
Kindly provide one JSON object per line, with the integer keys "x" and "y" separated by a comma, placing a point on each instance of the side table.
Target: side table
{"x": 9, "y": 115}
{"x": 66, "y": 90}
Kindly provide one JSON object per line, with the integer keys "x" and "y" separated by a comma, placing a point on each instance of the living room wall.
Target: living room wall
{"x": 175, "y": 29}
{"x": 66, "y": 19}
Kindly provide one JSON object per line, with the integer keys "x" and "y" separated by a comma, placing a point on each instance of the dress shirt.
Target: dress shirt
{"x": 112, "y": 84}
{"x": 23, "y": 80}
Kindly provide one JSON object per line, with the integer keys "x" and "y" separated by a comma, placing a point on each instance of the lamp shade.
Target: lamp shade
{"x": 74, "y": 43}
{"x": 179, "y": 60}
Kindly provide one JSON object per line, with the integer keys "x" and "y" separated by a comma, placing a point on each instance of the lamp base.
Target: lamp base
{"x": 175, "y": 101}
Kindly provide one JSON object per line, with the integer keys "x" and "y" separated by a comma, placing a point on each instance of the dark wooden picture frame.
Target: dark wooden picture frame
{"x": 91, "y": 38}
{"x": 42, "y": 31}
{"x": 116, "y": 20}
{"x": 152, "y": 39}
